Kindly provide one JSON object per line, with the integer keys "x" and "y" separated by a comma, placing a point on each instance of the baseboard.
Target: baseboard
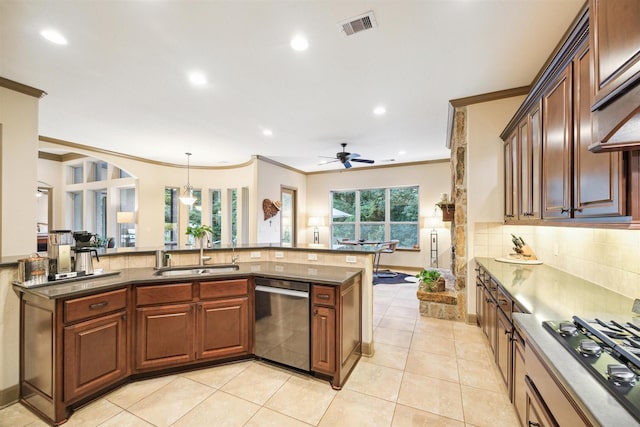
{"x": 9, "y": 395}
{"x": 472, "y": 319}
{"x": 367, "y": 349}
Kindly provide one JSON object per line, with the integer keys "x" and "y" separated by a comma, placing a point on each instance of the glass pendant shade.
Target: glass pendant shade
{"x": 187, "y": 197}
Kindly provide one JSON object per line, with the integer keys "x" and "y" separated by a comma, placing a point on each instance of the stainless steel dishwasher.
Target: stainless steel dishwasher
{"x": 282, "y": 322}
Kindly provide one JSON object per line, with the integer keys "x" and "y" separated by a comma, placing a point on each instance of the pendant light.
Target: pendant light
{"x": 187, "y": 197}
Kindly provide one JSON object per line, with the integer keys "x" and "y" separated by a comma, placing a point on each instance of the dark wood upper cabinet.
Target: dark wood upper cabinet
{"x": 529, "y": 166}
{"x": 615, "y": 39}
{"x": 598, "y": 178}
{"x": 557, "y": 140}
{"x": 510, "y": 177}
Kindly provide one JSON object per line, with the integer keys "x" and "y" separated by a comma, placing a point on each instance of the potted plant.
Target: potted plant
{"x": 199, "y": 232}
{"x": 431, "y": 280}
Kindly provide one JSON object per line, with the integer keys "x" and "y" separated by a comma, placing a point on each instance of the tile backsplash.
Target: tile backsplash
{"x": 609, "y": 258}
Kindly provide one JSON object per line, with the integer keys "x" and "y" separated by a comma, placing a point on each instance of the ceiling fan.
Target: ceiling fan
{"x": 346, "y": 158}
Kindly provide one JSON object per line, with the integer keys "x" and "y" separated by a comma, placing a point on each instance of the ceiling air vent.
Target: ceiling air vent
{"x": 366, "y": 21}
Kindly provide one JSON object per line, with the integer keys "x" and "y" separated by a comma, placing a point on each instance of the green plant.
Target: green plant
{"x": 429, "y": 279}
{"x": 198, "y": 231}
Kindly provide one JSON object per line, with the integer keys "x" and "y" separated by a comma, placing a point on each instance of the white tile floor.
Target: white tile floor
{"x": 426, "y": 372}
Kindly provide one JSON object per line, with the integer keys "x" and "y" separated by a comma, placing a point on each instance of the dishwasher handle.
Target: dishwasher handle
{"x": 289, "y": 292}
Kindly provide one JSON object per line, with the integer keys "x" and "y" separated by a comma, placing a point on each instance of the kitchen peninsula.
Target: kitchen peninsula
{"x": 80, "y": 338}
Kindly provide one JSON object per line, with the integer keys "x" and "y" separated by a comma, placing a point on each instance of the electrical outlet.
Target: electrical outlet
{"x": 351, "y": 259}
{"x": 279, "y": 254}
{"x": 255, "y": 254}
{"x": 312, "y": 257}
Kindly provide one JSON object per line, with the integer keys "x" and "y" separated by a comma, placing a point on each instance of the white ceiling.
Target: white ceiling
{"x": 121, "y": 82}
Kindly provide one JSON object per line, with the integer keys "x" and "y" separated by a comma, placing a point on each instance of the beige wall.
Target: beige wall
{"x": 485, "y": 172}
{"x": 18, "y": 153}
{"x": 433, "y": 178}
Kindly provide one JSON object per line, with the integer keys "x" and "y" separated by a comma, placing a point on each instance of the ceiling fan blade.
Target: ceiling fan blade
{"x": 347, "y": 164}
{"x": 354, "y": 155}
{"x": 363, "y": 161}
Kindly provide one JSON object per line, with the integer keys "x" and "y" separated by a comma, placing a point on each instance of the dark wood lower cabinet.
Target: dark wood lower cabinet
{"x": 95, "y": 354}
{"x": 223, "y": 328}
{"x": 519, "y": 391}
{"x": 164, "y": 335}
{"x": 503, "y": 347}
{"x": 538, "y": 414}
{"x": 323, "y": 331}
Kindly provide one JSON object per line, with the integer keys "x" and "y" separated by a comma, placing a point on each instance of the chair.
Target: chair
{"x": 384, "y": 248}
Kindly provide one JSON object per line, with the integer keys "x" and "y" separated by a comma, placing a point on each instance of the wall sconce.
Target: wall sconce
{"x": 315, "y": 222}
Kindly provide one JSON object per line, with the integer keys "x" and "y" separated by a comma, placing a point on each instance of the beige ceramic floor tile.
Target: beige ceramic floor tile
{"x": 217, "y": 376}
{"x": 375, "y": 380}
{"x": 125, "y": 419}
{"x": 428, "y": 343}
{"x": 433, "y": 365}
{"x": 310, "y": 399}
{"x": 257, "y": 383}
{"x": 398, "y": 310}
{"x": 219, "y": 410}
{"x": 350, "y": 408}
{"x": 16, "y": 415}
{"x": 166, "y": 405}
{"x": 267, "y": 418}
{"x": 387, "y": 355}
{"x": 399, "y": 323}
{"x": 485, "y": 408}
{"x": 93, "y": 414}
{"x": 131, "y": 393}
{"x": 472, "y": 350}
{"x": 392, "y": 337}
{"x": 479, "y": 375}
{"x": 406, "y": 416}
{"x": 433, "y": 395}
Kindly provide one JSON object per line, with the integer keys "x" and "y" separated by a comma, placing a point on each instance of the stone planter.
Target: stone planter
{"x": 438, "y": 286}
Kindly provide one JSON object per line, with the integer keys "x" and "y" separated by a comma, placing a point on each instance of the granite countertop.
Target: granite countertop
{"x": 551, "y": 294}
{"x": 8, "y": 261}
{"x": 595, "y": 401}
{"x": 328, "y": 275}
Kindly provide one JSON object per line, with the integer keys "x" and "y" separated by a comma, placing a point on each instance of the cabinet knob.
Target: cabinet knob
{"x": 124, "y": 317}
{"x": 315, "y": 312}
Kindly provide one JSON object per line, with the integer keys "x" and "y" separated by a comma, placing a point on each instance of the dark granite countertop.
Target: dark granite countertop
{"x": 328, "y": 275}
{"x": 551, "y": 294}
{"x": 305, "y": 247}
{"x": 595, "y": 401}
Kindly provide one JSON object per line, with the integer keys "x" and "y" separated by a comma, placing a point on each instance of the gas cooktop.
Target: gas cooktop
{"x": 610, "y": 351}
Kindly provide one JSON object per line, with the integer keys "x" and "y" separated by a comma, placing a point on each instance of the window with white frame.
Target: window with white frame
{"x": 376, "y": 215}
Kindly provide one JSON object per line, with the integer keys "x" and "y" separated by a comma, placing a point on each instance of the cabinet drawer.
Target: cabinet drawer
{"x": 325, "y": 295}
{"x": 161, "y": 294}
{"x": 505, "y": 303}
{"x": 224, "y": 288}
{"x": 94, "y": 305}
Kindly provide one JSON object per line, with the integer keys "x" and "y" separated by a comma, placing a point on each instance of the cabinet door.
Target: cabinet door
{"x": 538, "y": 414}
{"x": 597, "y": 177}
{"x": 556, "y": 153}
{"x": 489, "y": 326}
{"x": 164, "y": 335}
{"x": 519, "y": 391}
{"x": 479, "y": 302}
{"x": 323, "y": 339}
{"x": 524, "y": 167}
{"x": 616, "y": 40}
{"x": 223, "y": 328}
{"x": 510, "y": 177}
{"x": 95, "y": 354}
{"x": 503, "y": 346}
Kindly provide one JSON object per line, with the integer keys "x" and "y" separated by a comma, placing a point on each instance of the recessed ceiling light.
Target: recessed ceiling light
{"x": 267, "y": 132}
{"x": 299, "y": 43}
{"x": 379, "y": 110}
{"x": 402, "y": 153}
{"x": 53, "y": 36}
{"x": 197, "y": 78}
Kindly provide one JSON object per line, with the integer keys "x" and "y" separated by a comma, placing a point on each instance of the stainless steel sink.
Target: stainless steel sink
{"x": 197, "y": 271}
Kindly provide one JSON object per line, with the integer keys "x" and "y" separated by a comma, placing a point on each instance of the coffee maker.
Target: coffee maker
{"x": 59, "y": 251}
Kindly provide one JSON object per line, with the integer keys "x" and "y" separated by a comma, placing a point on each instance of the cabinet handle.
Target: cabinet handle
{"x": 98, "y": 305}
{"x": 200, "y": 307}
{"x": 532, "y": 424}
{"x": 323, "y": 296}
{"x": 563, "y": 211}
{"x": 509, "y": 216}
{"x": 124, "y": 317}
{"x": 507, "y": 332}
{"x": 315, "y": 312}
{"x": 577, "y": 210}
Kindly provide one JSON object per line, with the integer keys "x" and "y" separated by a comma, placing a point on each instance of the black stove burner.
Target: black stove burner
{"x": 589, "y": 347}
{"x": 610, "y": 351}
{"x": 621, "y": 375}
